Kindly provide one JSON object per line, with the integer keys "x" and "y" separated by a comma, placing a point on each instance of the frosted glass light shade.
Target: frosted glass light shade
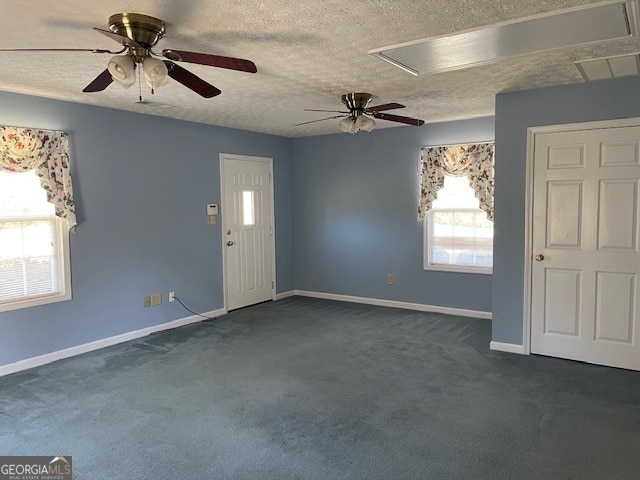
{"x": 155, "y": 72}
{"x": 122, "y": 70}
{"x": 371, "y": 124}
{"x": 347, "y": 125}
{"x": 364, "y": 123}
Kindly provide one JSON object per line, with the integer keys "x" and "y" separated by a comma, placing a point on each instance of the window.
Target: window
{"x": 457, "y": 234}
{"x": 456, "y": 206}
{"x": 34, "y": 258}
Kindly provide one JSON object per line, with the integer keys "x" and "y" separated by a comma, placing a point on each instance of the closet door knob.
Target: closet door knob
{"x": 539, "y": 257}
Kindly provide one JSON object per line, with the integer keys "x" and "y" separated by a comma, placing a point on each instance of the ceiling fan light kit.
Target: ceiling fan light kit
{"x": 354, "y": 125}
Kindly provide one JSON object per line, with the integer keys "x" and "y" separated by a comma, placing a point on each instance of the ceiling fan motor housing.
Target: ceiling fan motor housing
{"x": 143, "y": 29}
{"x": 356, "y": 102}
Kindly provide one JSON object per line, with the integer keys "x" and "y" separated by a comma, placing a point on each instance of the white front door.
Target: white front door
{"x": 247, "y": 223}
{"x": 586, "y": 260}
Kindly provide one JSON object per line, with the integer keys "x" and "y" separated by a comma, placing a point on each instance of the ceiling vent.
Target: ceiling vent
{"x": 609, "y": 67}
{"x": 596, "y": 23}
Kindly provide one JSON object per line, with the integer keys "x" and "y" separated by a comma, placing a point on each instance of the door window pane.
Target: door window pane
{"x": 248, "y": 208}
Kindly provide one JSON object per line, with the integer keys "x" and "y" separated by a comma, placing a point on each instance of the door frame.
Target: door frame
{"x": 529, "y": 189}
{"x": 223, "y": 220}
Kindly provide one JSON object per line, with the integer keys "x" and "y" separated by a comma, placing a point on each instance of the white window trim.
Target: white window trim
{"x": 65, "y": 294}
{"x": 439, "y": 267}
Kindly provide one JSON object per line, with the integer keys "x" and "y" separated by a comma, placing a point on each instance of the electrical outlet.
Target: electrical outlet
{"x": 172, "y": 296}
{"x": 390, "y": 279}
{"x": 156, "y": 299}
{"x": 211, "y": 219}
{"x": 146, "y": 301}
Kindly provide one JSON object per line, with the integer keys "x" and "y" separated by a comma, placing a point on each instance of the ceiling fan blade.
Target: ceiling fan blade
{"x": 398, "y": 118}
{"x": 191, "y": 81}
{"x": 119, "y": 38}
{"x": 101, "y": 82}
{"x": 328, "y": 111}
{"x": 321, "y": 120}
{"x": 210, "y": 60}
{"x": 92, "y": 50}
{"x": 386, "y": 106}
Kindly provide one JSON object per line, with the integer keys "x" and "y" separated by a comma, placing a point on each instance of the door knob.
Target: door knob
{"x": 229, "y": 243}
{"x": 539, "y": 257}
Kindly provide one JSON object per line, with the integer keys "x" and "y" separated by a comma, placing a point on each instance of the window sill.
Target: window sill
{"x": 459, "y": 269}
{"x": 33, "y": 302}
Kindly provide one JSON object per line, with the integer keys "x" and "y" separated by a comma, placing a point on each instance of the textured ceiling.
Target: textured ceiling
{"x": 308, "y": 53}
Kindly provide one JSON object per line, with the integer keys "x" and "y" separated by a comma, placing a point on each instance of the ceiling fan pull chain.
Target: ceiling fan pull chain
{"x": 140, "y": 86}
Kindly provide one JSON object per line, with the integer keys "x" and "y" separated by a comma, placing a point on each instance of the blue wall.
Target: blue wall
{"x": 515, "y": 112}
{"x": 355, "y": 208}
{"x": 345, "y": 212}
{"x": 141, "y": 184}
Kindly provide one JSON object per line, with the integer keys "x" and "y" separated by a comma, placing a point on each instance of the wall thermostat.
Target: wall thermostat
{"x": 212, "y": 209}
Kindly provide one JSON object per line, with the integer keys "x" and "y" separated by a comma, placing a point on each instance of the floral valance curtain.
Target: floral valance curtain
{"x": 475, "y": 161}
{"x": 46, "y": 152}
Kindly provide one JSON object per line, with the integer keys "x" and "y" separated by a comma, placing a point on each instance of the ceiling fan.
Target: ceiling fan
{"x": 138, "y": 34}
{"x": 358, "y": 117}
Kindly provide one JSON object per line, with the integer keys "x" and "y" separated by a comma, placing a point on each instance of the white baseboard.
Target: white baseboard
{"x": 288, "y": 294}
{"x": 98, "y": 344}
{"x": 395, "y": 304}
{"x": 507, "y": 347}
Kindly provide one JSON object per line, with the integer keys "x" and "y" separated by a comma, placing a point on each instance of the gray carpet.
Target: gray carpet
{"x": 313, "y": 389}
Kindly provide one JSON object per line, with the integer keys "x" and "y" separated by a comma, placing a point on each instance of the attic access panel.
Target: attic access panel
{"x": 575, "y": 26}
{"x": 609, "y": 67}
